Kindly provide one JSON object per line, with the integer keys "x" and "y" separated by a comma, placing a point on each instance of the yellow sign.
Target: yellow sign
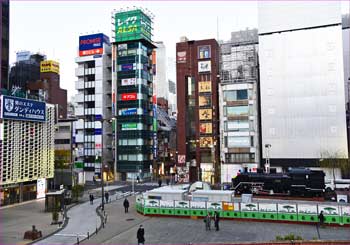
{"x": 50, "y": 66}
{"x": 228, "y": 206}
{"x": 204, "y": 101}
{"x": 205, "y": 114}
{"x": 204, "y": 87}
{"x": 205, "y": 142}
{"x": 205, "y": 128}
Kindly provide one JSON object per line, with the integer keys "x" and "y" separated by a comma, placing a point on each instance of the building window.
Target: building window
{"x": 206, "y": 157}
{"x": 235, "y": 95}
{"x": 237, "y": 125}
{"x": 62, "y": 141}
{"x": 230, "y": 111}
{"x": 237, "y": 141}
{"x": 239, "y": 157}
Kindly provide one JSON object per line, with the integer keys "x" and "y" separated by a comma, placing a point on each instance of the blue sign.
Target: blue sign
{"x": 23, "y": 109}
{"x": 127, "y": 112}
{"x": 93, "y": 41}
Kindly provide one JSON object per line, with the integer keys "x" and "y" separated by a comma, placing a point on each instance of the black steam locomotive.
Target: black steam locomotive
{"x": 295, "y": 182}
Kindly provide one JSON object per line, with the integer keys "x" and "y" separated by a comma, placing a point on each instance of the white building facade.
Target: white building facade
{"x": 302, "y": 82}
{"x": 93, "y": 106}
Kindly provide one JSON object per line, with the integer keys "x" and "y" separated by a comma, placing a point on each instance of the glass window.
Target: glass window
{"x": 237, "y": 125}
{"x": 235, "y": 95}
{"x": 242, "y": 94}
{"x": 236, "y": 111}
{"x": 238, "y": 141}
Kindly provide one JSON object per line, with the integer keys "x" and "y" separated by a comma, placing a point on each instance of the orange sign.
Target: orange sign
{"x": 205, "y": 142}
{"x": 205, "y": 114}
{"x": 204, "y": 87}
{"x": 228, "y": 206}
{"x": 205, "y": 128}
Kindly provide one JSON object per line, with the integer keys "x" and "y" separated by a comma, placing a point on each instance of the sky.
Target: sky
{"x": 53, "y": 27}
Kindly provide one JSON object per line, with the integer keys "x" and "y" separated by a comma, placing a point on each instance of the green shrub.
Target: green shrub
{"x": 288, "y": 237}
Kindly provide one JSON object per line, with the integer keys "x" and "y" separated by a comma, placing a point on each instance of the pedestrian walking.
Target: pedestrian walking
{"x": 141, "y": 235}
{"x": 160, "y": 182}
{"x": 137, "y": 179}
{"x": 94, "y": 180}
{"x": 106, "y": 196}
{"x": 321, "y": 219}
{"x": 207, "y": 221}
{"x": 216, "y": 220}
{"x": 91, "y": 199}
{"x": 126, "y": 205}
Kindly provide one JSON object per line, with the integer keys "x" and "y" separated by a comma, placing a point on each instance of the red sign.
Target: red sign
{"x": 129, "y": 96}
{"x": 91, "y": 52}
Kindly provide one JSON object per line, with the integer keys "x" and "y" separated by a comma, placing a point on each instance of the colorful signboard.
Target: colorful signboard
{"x": 128, "y": 81}
{"x": 204, "y": 52}
{"x": 132, "y": 25}
{"x": 129, "y": 96}
{"x": 181, "y": 158}
{"x": 205, "y": 114}
{"x": 49, "y": 66}
{"x": 204, "y": 100}
{"x": 15, "y": 108}
{"x": 127, "y": 67}
{"x": 92, "y": 44}
{"x": 205, "y": 142}
{"x": 204, "y": 66}
{"x": 181, "y": 57}
{"x": 204, "y": 87}
{"x": 128, "y": 112}
{"x": 205, "y": 128}
{"x": 129, "y": 126}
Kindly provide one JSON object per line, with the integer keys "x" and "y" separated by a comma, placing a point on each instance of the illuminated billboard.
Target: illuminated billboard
{"x": 129, "y": 96}
{"x": 204, "y": 66}
{"x": 205, "y": 142}
{"x": 205, "y": 128}
{"x": 204, "y": 100}
{"x": 92, "y": 44}
{"x": 205, "y": 114}
{"x": 15, "y": 108}
{"x": 132, "y": 25}
{"x": 49, "y": 66}
{"x": 204, "y": 52}
{"x": 204, "y": 87}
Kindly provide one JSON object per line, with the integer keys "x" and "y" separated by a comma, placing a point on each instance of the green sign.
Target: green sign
{"x": 132, "y": 25}
{"x": 127, "y": 126}
{"x": 78, "y": 165}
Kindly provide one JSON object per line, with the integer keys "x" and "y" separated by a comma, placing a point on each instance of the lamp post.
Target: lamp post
{"x": 267, "y": 160}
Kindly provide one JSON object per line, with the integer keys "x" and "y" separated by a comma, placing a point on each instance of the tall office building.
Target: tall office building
{"x": 238, "y": 103}
{"x": 197, "y": 69}
{"x": 302, "y": 82}
{"x": 27, "y": 129}
{"x": 132, "y": 61}
{"x": 93, "y": 106}
{"x": 4, "y": 49}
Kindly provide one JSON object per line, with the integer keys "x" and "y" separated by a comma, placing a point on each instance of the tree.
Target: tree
{"x": 330, "y": 209}
{"x": 182, "y": 203}
{"x": 152, "y": 203}
{"x": 216, "y": 205}
{"x": 288, "y": 207}
{"x": 250, "y": 206}
{"x": 335, "y": 160}
{"x": 77, "y": 192}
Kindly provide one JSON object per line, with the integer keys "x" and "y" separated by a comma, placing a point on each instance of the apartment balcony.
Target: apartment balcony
{"x": 79, "y": 98}
{"x": 79, "y": 111}
{"x": 90, "y": 97}
{"x": 79, "y": 85}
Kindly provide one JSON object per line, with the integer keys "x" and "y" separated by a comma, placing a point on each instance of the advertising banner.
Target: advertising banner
{"x": 181, "y": 57}
{"x": 181, "y": 158}
{"x": 128, "y": 112}
{"x": 204, "y": 66}
{"x": 127, "y": 67}
{"x": 249, "y": 207}
{"x": 40, "y": 188}
{"x": 204, "y": 100}
{"x": 49, "y": 66}
{"x": 206, "y": 128}
{"x": 128, "y": 81}
{"x": 15, "y": 108}
{"x": 204, "y": 52}
{"x": 92, "y": 44}
{"x": 204, "y": 87}
{"x": 132, "y": 25}
{"x": 205, "y": 114}
{"x": 129, "y": 126}
{"x": 129, "y": 96}
{"x": 205, "y": 142}
{"x": 287, "y": 208}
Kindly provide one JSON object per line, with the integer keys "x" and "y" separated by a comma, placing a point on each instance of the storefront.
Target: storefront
{"x": 16, "y": 193}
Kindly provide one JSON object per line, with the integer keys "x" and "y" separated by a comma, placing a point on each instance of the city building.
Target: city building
{"x": 65, "y": 154}
{"x": 93, "y": 107}
{"x": 302, "y": 83}
{"x": 197, "y": 69}
{"x": 4, "y": 50}
{"x": 27, "y": 130}
{"x": 239, "y": 103}
{"x": 132, "y": 74}
{"x": 35, "y": 77}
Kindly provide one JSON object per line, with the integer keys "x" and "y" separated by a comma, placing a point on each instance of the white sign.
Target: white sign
{"x": 128, "y": 81}
{"x": 204, "y": 66}
{"x": 40, "y": 188}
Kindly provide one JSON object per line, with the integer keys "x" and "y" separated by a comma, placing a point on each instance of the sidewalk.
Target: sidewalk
{"x": 19, "y": 218}
{"x": 82, "y": 219}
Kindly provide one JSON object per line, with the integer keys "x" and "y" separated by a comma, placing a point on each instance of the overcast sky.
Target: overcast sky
{"x": 53, "y": 27}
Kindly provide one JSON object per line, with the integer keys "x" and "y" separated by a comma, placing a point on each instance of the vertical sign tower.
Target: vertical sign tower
{"x": 132, "y": 91}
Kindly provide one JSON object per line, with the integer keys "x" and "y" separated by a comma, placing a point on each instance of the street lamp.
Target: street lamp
{"x": 267, "y": 160}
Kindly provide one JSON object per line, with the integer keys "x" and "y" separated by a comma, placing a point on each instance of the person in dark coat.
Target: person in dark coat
{"x": 207, "y": 221}
{"x": 106, "y": 196}
{"x": 141, "y": 235}
{"x": 126, "y": 205}
{"x": 216, "y": 220}
{"x": 160, "y": 182}
{"x": 91, "y": 199}
{"x": 321, "y": 219}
